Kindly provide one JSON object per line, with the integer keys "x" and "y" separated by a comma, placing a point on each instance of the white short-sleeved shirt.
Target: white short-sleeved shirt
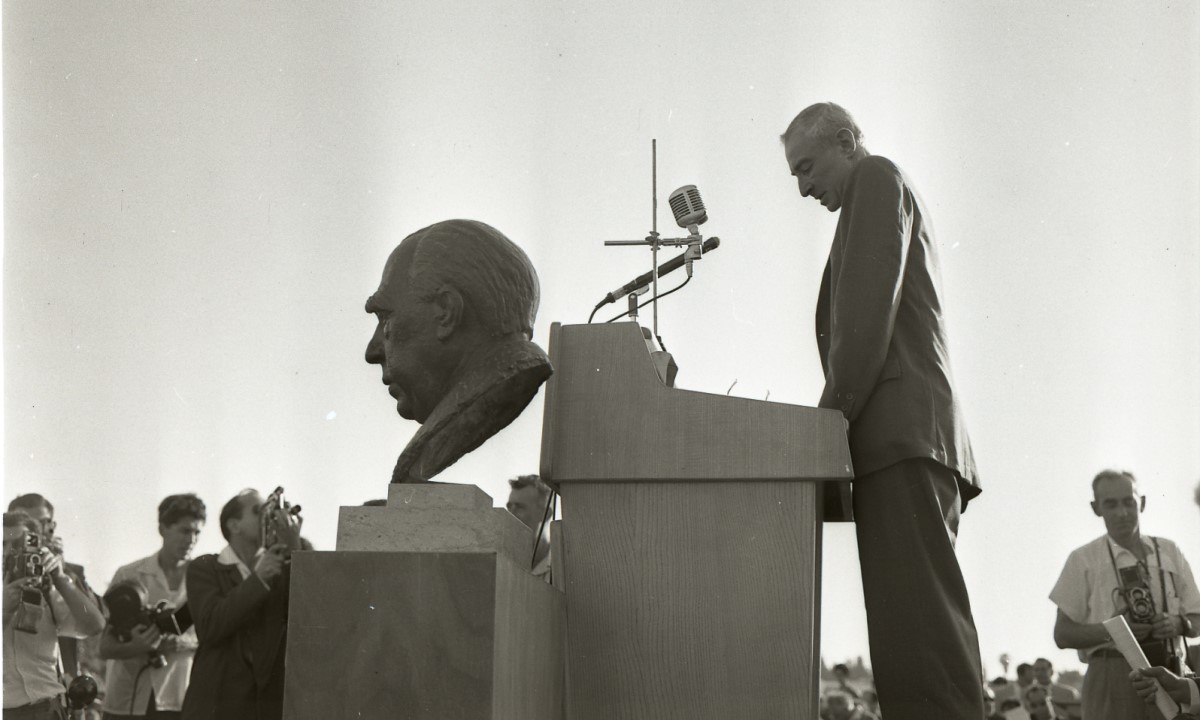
{"x": 1087, "y": 589}
{"x": 170, "y": 682}
{"x": 31, "y": 659}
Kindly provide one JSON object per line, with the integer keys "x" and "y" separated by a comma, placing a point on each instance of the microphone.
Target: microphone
{"x": 687, "y": 207}
{"x": 669, "y": 266}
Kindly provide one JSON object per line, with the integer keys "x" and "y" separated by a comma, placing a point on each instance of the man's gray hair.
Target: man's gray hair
{"x": 823, "y": 120}
{"x": 495, "y": 277}
{"x": 1111, "y": 474}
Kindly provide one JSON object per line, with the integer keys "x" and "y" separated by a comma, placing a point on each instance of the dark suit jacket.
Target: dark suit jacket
{"x": 880, "y": 330}
{"x": 238, "y": 670}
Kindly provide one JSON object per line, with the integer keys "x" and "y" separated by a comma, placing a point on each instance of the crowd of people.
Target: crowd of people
{"x": 180, "y": 637}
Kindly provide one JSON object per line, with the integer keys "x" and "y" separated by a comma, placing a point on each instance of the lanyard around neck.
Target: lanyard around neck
{"x": 1157, "y": 562}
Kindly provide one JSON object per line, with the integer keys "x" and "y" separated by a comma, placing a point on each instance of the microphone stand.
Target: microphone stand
{"x": 692, "y": 241}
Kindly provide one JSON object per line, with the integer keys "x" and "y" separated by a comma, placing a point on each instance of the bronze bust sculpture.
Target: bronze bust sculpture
{"x": 455, "y": 312}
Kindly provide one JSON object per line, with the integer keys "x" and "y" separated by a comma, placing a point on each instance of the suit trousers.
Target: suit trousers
{"x": 924, "y": 647}
{"x": 1109, "y": 695}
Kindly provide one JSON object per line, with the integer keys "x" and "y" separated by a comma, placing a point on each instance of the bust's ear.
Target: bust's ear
{"x": 846, "y": 141}
{"x": 448, "y": 311}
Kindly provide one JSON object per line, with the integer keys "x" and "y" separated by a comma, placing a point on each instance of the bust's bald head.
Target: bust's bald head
{"x": 446, "y": 290}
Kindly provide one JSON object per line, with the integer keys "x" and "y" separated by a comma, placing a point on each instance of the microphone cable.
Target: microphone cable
{"x": 643, "y": 304}
{"x": 547, "y": 516}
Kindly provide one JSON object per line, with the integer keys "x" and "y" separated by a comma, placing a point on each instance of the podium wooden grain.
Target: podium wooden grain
{"x": 407, "y": 622}
{"x": 691, "y": 537}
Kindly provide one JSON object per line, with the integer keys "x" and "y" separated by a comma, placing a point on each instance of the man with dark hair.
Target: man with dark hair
{"x": 529, "y": 501}
{"x": 39, "y": 606}
{"x": 455, "y": 311}
{"x": 883, "y": 344}
{"x": 136, "y": 688}
{"x": 841, "y": 674}
{"x": 1123, "y": 572}
{"x": 42, "y": 510}
{"x": 238, "y": 600}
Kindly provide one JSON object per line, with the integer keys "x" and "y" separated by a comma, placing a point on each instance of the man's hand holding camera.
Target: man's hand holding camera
{"x": 270, "y": 563}
{"x": 1167, "y": 626}
{"x": 285, "y": 525}
{"x": 12, "y": 596}
{"x": 145, "y": 639}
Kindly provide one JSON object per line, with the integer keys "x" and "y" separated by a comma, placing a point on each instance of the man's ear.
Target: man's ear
{"x": 1096, "y": 509}
{"x": 448, "y": 311}
{"x": 1142, "y": 504}
{"x": 846, "y": 141}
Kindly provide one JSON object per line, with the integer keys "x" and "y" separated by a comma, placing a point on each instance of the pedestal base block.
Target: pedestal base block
{"x": 425, "y": 636}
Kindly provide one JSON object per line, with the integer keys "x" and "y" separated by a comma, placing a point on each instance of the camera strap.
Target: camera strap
{"x": 1157, "y": 561}
{"x": 1176, "y": 647}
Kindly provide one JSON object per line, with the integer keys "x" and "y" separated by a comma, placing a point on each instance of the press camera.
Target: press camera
{"x": 128, "y": 609}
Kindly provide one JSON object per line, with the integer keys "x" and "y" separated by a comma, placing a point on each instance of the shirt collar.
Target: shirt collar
{"x": 1147, "y": 544}
{"x": 229, "y": 557}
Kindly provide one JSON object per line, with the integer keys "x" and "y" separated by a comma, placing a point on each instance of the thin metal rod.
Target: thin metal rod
{"x": 654, "y": 223}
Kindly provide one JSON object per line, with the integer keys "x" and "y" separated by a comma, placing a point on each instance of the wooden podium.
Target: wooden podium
{"x": 690, "y": 544}
{"x": 426, "y": 611}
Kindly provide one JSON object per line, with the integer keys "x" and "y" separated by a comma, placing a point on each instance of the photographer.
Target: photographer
{"x": 42, "y": 510}
{"x": 41, "y": 602}
{"x": 147, "y": 675}
{"x": 239, "y": 603}
{"x": 1123, "y": 572}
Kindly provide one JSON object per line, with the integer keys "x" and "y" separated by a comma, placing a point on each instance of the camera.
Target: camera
{"x": 269, "y": 514}
{"x": 28, "y": 562}
{"x": 82, "y": 692}
{"x": 128, "y": 609}
{"x": 1136, "y": 592}
{"x": 1139, "y": 608}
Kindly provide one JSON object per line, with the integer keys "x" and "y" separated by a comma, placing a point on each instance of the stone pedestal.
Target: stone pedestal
{"x": 426, "y": 610}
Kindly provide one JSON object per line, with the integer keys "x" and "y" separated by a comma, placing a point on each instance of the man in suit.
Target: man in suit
{"x": 239, "y": 602}
{"x": 884, "y": 350}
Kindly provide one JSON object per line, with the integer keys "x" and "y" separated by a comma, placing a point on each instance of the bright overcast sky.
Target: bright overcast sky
{"x": 200, "y": 196}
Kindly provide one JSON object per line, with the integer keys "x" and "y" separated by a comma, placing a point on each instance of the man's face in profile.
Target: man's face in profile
{"x": 247, "y": 524}
{"x": 529, "y": 508}
{"x": 820, "y": 167}
{"x": 405, "y": 342}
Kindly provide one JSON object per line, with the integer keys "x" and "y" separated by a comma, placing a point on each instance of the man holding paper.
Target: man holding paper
{"x": 1183, "y": 690}
{"x": 1123, "y": 573}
